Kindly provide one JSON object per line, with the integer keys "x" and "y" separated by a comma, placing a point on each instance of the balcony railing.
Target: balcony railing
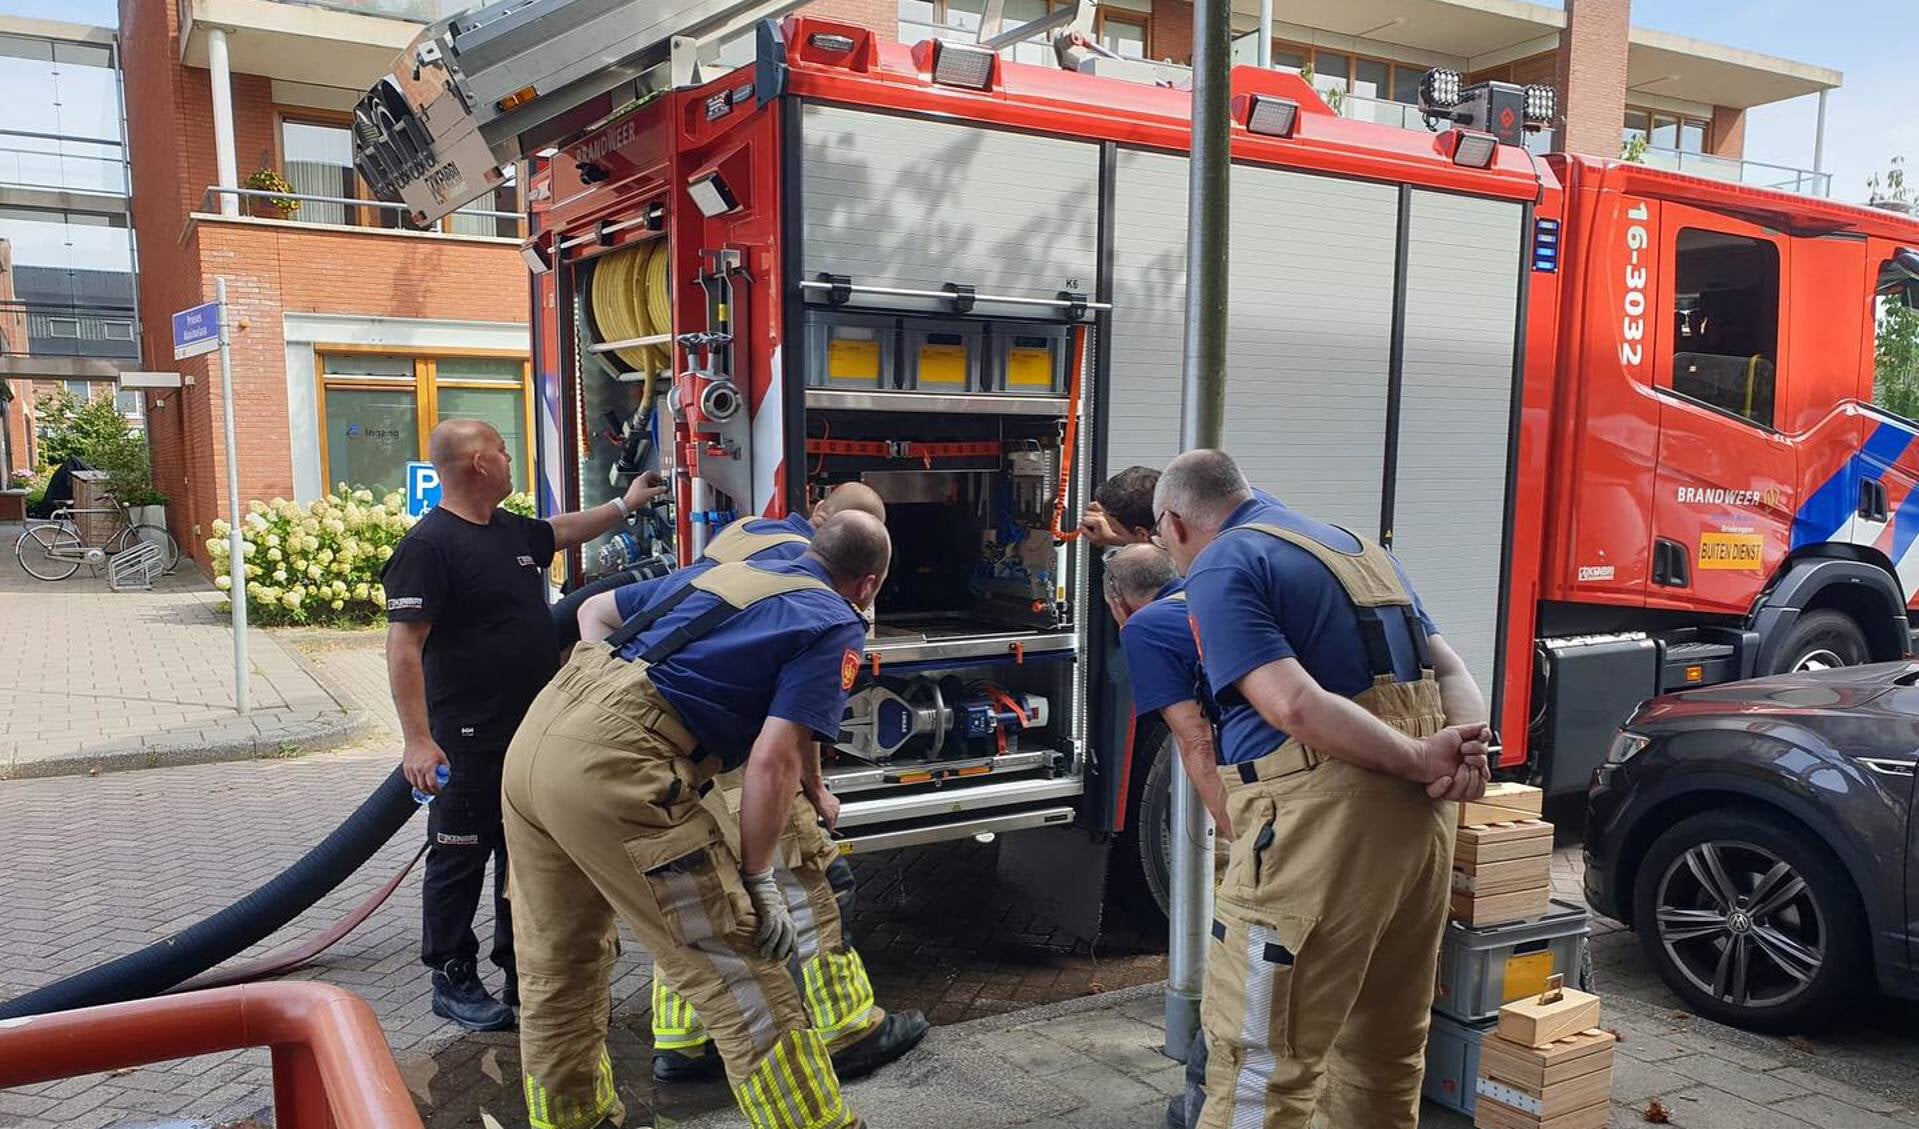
{"x": 465, "y": 221}
{"x": 62, "y": 163}
{"x": 1755, "y": 173}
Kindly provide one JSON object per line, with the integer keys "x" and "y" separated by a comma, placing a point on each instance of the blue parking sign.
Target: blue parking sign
{"x": 422, "y": 488}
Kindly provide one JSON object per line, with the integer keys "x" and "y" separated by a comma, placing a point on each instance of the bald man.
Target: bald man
{"x": 469, "y": 644}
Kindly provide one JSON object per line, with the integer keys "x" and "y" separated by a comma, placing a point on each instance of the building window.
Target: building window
{"x": 80, "y": 390}
{"x": 376, "y": 411}
{"x": 1726, "y": 322}
{"x": 117, "y": 330}
{"x": 319, "y": 162}
{"x": 1661, "y": 130}
{"x": 63, "y": 327}
{"x": 1124, "y": 33}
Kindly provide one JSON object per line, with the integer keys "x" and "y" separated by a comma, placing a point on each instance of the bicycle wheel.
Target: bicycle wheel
{"x": 48, "y": 552}
{"x": 131, "y": 535}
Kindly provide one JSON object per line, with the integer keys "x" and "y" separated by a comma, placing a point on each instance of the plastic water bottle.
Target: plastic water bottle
{"x": 441, "y": 774}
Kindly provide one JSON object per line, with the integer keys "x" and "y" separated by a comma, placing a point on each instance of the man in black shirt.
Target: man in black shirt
{"x": 469, "y": 645}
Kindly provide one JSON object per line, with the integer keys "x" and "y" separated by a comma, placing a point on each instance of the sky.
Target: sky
{"x": 1872, "y": 117}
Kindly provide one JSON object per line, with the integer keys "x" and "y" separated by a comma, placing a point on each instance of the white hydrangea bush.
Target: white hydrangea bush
{"x": 318, "y": 563}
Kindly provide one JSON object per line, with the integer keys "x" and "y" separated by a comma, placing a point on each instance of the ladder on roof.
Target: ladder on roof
{"x": 477, "y": 91}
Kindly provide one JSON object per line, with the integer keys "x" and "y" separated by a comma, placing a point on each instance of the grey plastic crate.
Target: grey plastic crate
{"x": 1473, "y": 963}
{"x": 1452, "y": 1061}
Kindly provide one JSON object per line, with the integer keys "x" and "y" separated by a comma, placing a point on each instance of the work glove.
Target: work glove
{"x": 776, "y": 935}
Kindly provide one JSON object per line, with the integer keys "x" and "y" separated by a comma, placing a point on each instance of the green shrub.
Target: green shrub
{"x": 318, "y": 563}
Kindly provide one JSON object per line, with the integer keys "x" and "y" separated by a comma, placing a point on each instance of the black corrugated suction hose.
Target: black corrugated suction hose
{"x": 200, "y": 946}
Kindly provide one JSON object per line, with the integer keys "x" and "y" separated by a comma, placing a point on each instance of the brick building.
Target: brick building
{"x": 352, "y": 333}
{"x": 355, "y": 333}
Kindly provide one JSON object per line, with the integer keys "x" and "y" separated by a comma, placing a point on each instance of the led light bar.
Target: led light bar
{"x": 830, "y": 41}
{"x": 1441, "y": 88}
{"x": 1272, "y": 117}
{"x": 955, "y": 64}
{"x": 711, "y": 195}
{"x": 1542, "y": 104}
{"x": 1474, "y": 150}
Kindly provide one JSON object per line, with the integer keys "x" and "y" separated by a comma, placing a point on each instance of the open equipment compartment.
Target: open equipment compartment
{"x": 973, "y": 666}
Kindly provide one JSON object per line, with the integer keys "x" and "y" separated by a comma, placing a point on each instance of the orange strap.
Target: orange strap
{"x": 1071, "y": 438}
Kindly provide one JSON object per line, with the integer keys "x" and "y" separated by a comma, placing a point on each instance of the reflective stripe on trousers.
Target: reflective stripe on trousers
{"x": 794, "y": 1088}
{"x": 543, "y": 1112}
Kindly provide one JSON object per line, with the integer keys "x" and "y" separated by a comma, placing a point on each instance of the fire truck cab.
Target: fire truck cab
{"x": 1615, "y": 422}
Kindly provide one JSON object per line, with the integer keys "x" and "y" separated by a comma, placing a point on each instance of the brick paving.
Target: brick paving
{"x": 98, "y": 866}
{"x": 103, "y": 680}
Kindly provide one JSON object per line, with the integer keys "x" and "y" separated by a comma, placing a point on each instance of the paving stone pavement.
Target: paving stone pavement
{"x": 99, "y": 866}
{"x": 106, "y": 680}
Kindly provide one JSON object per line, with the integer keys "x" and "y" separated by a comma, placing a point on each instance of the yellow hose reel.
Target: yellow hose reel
{"x": 631, "y": 299}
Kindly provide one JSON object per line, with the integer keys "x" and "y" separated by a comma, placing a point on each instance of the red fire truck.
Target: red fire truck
{"x": 1616, "y": 422}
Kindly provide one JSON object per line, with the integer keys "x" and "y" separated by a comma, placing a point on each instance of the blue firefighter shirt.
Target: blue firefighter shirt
{"x": 1160, "y": 654}
{"x": 785, "y": 657}
{"x": 1255, "y": 599}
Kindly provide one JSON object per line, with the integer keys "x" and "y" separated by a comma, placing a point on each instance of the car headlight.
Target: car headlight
{"x": 1625, "y": 747}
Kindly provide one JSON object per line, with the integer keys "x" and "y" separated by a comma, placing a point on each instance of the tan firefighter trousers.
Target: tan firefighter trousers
{"x": 1319, "y": 977}
{"x": 603, "y": 812}
{"x": 834, "y": 987}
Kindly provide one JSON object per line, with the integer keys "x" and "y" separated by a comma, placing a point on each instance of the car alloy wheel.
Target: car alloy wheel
{"x": 1741, "y": 924}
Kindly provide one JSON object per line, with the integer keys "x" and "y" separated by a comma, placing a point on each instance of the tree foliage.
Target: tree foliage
{"x": 1896, "y": 353}
{"x": 94, "y": 430}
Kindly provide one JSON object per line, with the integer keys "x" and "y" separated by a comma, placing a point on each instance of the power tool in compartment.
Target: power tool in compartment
{"x": 929, "y": 718}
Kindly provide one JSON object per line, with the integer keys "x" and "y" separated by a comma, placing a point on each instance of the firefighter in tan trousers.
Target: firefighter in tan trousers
{"x": 605, "y": 785}
{"x": 1347, "y": 729}
{"x": 834, "y": 988}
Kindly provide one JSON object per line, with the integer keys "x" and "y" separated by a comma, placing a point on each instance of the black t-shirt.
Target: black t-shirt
{"x": 492, "y": 647}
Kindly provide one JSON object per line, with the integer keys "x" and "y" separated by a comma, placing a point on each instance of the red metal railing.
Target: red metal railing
{"x": 332, "y": 1068}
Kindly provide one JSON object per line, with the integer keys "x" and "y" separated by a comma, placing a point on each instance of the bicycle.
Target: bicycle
{"x": 56, "y": 548}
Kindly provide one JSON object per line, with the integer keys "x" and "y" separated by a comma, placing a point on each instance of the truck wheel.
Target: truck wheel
{"x": 1821, "y": 640}
{"x": 1155, "y": 823}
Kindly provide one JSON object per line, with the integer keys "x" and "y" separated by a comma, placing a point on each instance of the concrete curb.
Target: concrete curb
{"x": 330, "y": 731}
{"x": 1099, "y": 1001}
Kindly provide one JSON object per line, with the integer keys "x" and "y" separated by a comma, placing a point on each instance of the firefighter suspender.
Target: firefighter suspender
{"x": 738, "y": 543}
{"x": 1373, "y": 586}
{"x": 737, "y": 585}
{"x": 1202, "y": 690}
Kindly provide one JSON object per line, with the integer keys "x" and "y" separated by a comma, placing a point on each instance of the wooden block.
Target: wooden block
{"x": 1549, "y": 1017}
{"x": 1592, "y": 1088}
{"x": 1504, "y": 877}
{"x": 1490, "y": 1114}
{"x": 1502, "y": 803}
{"x": 1481, "y": 910}
{"x": 1500, "y": 842}
{"x": 1535, "y": 1069}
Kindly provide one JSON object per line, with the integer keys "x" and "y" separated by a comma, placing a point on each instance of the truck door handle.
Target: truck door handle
{"x": 1669, "y": 564}
{"x": 1872, "y": 500}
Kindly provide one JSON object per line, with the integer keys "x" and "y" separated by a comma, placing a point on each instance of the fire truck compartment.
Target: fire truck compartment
{"x": 1372, "y": 378}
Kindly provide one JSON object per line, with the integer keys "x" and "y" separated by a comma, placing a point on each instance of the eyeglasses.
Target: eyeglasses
{"x": 1158, "y": 518}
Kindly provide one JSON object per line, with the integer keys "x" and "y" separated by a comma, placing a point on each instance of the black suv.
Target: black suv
{"x": 1760, "y": 838}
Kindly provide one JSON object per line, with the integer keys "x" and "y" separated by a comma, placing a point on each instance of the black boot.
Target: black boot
{"x": 900, "y": 1032}
{"x": 510, "y": 991}
{"x": 679, "y": 1066}
{"x": 459, "y": 996}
